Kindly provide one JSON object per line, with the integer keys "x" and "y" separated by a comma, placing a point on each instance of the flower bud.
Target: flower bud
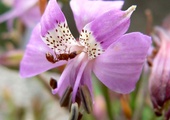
{"x": 74, "y": 112}
{"x": 11, "y": 59}
{"x": 160, "y": 75}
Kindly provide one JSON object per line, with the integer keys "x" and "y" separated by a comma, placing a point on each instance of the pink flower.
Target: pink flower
{"x": 26, "y": 10}
{"x": 103, "y": 47}
{"x": 160, "y": 75}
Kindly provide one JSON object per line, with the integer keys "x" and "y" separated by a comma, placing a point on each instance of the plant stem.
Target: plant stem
{"x": 105, "y": 91}
{"x": 141, "y": 95}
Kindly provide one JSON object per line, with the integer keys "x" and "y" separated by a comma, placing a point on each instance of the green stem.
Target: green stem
{"x": 141, "y": 95}
{"x": 105, "y": 91}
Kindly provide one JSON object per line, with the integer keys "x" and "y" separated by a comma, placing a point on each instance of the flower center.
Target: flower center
{"x": 66, "y": 47}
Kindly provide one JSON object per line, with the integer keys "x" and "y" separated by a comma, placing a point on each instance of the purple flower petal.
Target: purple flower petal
{"x": 86, "y": 78}
{"x": 120, "y": 66}
{"x": 71, "y": 76}
{"x": 21, "y": 4}
{"x": 9, "y": 15}
{"x": 54, "y": 29}
{"x": 20, "y": 7}
{"x": 51, "y": 17}
{"x": 107, "y": 28}
{"x": 65, "y": 79}
{"x": 34, "y": 16}
{"x": 85, "y": 11}
{"x": 78, "y": 78}
{"x": 34, "y": 60}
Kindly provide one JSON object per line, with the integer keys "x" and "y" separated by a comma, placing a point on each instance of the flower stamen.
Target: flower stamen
{"x": 74, "y": 112}
{"x": 86, "y": 98}
{"x": 64, "y": 101}
{"x": 53, "y": 83}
